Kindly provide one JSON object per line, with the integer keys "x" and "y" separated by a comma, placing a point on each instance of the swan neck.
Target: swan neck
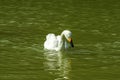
{"x": 62, "y": 35}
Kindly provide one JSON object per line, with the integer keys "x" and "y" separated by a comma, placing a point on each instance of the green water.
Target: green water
{"x": 24, "y": 25}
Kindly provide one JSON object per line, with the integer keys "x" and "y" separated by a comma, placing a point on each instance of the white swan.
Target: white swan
{"x": 59, "y": 42}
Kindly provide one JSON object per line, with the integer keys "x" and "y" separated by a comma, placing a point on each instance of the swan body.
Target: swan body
{"x": 59, "y": 42}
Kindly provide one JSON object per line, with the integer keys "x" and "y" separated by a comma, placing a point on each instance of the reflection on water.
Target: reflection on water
{"x": 57, "y": 64}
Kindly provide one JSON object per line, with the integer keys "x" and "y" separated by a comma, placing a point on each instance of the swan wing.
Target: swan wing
{"x": 59, "y": 43}
{"x": 51, "y": 42}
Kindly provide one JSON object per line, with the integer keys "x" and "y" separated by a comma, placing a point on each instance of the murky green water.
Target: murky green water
{"x": 96, "y": 35}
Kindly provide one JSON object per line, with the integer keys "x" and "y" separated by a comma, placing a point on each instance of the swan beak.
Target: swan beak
{"x": 71, "y": 42}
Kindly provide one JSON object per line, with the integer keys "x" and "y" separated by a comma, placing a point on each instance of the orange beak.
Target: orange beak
{"x": 71, "y": 42}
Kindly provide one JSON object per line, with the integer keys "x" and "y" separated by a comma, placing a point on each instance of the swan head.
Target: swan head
{"x": 68, "y": 36}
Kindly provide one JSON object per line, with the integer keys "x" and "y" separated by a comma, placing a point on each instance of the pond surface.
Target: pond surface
{"x": 96, "y": 36}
